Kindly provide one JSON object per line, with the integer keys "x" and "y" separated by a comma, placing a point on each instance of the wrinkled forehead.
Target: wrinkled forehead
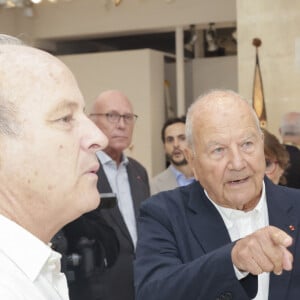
{"x": 212, "y": 108}
{"x": 224, "y": 114}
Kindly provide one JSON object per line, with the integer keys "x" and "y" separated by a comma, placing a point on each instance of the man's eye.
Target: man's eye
{"x": 248, "y": 145}
{"x": 169, "y": 140}
{"x": 218, "y": 150}
{"x": 66, "y": 119}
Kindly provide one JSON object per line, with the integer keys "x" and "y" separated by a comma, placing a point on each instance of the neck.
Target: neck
{"x": 115, "y": 155}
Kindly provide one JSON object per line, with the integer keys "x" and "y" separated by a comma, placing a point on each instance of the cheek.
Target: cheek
{"x": 130, "y": 130}
{"x": 258, "y": 164}
{"x": 108, "y": 130}
{"x": 168, "y": 149}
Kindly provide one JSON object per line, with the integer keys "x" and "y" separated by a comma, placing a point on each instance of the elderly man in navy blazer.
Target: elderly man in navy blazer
{"x": 232, "y": 234}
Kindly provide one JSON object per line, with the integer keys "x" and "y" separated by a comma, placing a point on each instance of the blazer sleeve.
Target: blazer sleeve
{"x": 166, "y": 266}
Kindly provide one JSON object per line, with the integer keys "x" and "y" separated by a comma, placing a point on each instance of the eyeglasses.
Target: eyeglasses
{"x": 115, "y": 117}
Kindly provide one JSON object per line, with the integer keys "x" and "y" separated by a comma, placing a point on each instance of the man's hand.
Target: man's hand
{"x": 265, "y": 250}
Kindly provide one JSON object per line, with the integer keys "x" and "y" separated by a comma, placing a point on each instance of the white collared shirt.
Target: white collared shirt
{"x": 29, "y": 269}
{"x": 239, "y": 224}
{"x": 119, "y": 182}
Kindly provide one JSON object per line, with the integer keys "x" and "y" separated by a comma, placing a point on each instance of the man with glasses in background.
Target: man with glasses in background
{"x": 128, "y": 180}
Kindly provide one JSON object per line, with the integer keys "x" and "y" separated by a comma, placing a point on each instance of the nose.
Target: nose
{"x": 236, "y": 160}
{"x": 121, "y": 123}
{"x": 94, "y": 139}
{"x": 176, "y": 143}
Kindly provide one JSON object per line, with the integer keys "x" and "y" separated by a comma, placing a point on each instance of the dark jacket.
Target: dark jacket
{"x": 293, "y": 171}
{"x": 102, "y": 238}
{"x": 184, "y": 249}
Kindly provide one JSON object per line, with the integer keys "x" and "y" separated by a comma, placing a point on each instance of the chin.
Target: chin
{"x": 94, "y": 202}
{"x": 90, "y": 201}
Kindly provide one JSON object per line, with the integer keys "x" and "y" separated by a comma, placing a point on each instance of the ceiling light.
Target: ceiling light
{"x": 211, "y": 38}
{"x": 22, "y": 3}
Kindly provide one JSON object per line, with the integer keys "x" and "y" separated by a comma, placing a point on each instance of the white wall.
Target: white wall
{"x": 140, "y": 75}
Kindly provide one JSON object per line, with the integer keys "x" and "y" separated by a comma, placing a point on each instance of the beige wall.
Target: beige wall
{"x": 8, "y": 22}
{"x": 203, "y": 74}
{"x": 98, "y": 17}
{"x": 277, "y": 24}
{"x": 140, "y": 75}
{"x": 214, "y": 73}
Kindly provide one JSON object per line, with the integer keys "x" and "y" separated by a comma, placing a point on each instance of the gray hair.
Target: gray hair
{"x": 8, "y": 124}
{"x": 290, "y": 124}
{"x": 191, "y": 110}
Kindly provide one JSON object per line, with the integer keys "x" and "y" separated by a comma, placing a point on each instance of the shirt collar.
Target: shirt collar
{"x": 28, "y": 252}
{"x": 178, "y": 174}
{"x": 106, "y": 159}
{"x": 229, "y": 214}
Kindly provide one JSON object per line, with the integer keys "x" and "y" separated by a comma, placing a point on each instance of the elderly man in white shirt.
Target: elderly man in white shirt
{"x": 47, "y": 168}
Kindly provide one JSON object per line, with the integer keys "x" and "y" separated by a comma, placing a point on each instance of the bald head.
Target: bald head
{"x": 47, "y": 132}
{"x": 26, "y": 73}
{"x": 113, "y": 113}
{"x": 210, "y": 105}
{"x": 290, "y": 128}
{"x": 110, "y": 96}
{"x": 7, "y": 108}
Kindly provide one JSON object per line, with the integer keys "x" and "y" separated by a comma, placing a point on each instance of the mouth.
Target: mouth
{"x": 237, "y": 181}
{"x": 176, "y": 153}
{"x": 94, "y": 169}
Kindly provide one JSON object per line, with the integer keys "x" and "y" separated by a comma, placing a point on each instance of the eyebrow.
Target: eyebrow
{"x": 64, "y": 104}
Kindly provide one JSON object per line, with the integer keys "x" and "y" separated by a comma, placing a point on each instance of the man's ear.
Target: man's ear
{"x": 189, "y": 155}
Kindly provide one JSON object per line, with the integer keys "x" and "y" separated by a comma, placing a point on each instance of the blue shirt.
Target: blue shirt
{"x": 180, "y": 177}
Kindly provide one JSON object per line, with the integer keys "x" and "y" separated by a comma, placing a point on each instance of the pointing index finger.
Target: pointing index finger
{"x": 281, "y": 238}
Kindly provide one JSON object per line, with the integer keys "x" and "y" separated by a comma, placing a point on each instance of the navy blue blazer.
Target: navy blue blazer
{"x": 184, "y": 249}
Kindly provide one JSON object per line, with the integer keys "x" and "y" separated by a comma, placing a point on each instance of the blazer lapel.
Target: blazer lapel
{"x": 205, "y": 221}
{"x": 211, "y": 233}
{"x": 135, "y": 182}
{"x": 112, "y": 213}
{"x": 281, "y": 215}
{"x": 103, "y": 184}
